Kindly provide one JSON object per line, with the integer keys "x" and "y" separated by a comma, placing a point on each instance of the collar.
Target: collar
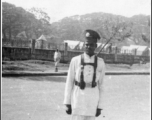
{"x": 88, "y": 57}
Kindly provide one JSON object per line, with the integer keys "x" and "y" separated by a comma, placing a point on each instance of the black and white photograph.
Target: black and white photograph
{"x": 76, "y": 60}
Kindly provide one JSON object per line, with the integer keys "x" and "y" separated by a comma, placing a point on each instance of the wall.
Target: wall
{"x": 25, "y": 50}
{"x": 15, "y": 53}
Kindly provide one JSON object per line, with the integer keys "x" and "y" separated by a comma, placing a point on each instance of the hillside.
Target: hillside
{"x": 119, "y": 29}
{"x": 71, "y": 28}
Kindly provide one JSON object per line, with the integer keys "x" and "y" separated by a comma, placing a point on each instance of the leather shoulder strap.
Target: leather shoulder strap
{"x": 95, "y": 67}
{"x": 82, "y": 59}
{"x": 94, "y": 75}
{"x": 82, "y": 67}
{"x": 95, "y": 62}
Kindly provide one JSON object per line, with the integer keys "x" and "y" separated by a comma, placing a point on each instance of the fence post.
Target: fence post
{"x": 65, "y": 51}
{"x": 132, "y": 60}
{"x": 32, "y": 47}
{"x": 116, "y": 55}
{"x": 134, "y": 56}
{"x": 135, "y": 51}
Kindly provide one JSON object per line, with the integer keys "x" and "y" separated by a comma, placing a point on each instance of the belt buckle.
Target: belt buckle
{"x": 89, "y": 85}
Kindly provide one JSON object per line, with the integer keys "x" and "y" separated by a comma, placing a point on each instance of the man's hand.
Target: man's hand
{"x": 69, "y": 109}
{"x": 98, "y": 112}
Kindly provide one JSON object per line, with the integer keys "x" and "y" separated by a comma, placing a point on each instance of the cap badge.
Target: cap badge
{"x": 87, "y": 34}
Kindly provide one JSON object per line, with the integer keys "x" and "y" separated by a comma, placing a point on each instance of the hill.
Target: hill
{"x": 71, "y": 28}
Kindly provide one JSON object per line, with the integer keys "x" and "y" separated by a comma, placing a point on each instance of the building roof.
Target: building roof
{"x": 21, "y": 35}
{"x": 42, "y": 37}
{"x": 139, "y": 47}
{"x": 72, "y": 43}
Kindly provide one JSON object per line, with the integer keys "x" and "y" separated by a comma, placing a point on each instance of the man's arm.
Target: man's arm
{"x": 101, "y": 85}
{"x": 69, "y": 83}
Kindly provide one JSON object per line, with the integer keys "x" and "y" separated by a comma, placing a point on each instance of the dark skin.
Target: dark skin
{"x": 90, "y": 46}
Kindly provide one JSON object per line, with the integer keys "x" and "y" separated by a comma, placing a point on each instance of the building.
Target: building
{"x": 135, "y": 50}
{"x": 74, "y": 44}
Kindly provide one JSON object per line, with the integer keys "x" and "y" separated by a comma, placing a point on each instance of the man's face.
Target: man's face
{"x": 90, "y": 47}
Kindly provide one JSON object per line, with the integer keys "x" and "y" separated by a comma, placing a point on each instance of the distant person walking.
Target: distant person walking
{"x": 57, "y": 58}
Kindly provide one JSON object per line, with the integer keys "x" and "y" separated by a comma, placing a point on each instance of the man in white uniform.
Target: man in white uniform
{"x": 57, "y": 58}
{"x": 83, "y": 90}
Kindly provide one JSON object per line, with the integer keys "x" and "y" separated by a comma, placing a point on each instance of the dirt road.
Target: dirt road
{"x": 41, "y": 98}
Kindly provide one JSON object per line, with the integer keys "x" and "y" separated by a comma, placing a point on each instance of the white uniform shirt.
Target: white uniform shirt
{"x": 57, "y": 56}
{"x": 84, "y": 102}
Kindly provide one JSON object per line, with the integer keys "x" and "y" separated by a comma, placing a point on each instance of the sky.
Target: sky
{"x": 58, "y": 9}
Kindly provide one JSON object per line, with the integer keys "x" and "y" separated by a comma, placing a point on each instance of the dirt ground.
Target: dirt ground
{"x": 38, "y": 65}
{"x": 41, "y": 98}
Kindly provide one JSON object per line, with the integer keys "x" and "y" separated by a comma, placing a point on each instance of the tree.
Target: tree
{"x": 43, "y": 23}
{"x": 16, "y": 19}
{"x": 115, "y": 30}
{"x": 10, "y": 18}
{"x": 145, "y": 38}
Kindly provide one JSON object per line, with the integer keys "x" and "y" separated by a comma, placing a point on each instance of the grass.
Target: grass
{"x": 41, "y": 98}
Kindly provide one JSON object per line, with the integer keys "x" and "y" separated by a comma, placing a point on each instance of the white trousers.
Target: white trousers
{"x": 81, "y": 117}
{"x": 57, "y": 62}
